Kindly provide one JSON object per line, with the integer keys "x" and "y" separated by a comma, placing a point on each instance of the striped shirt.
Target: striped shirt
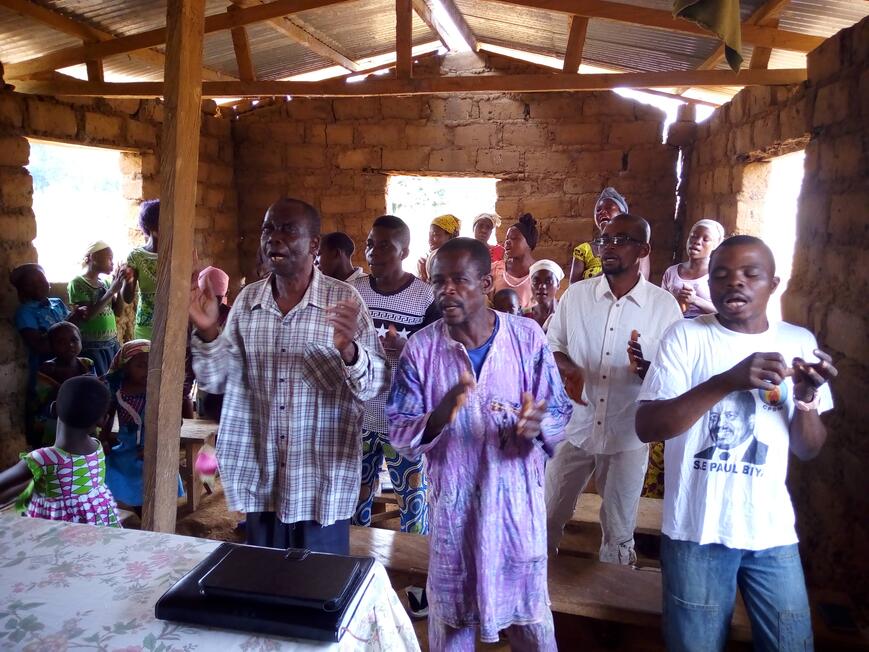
{"x": 290, "y": 432}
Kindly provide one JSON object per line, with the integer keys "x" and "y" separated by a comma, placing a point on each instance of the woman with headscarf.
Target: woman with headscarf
{"x": 546, "y": 277}
{"x": 443, "y": 228}
{"x": 484, "y": 225}
{"x": 208, "y": 405}
{"x": 586, "y": 263}
{"x": 128, "y": 382}
{"x": 689, "y": 281}
{"x": 514, "y": 271}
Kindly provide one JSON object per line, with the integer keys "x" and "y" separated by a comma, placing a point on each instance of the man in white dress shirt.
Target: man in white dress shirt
{"x": 599, "y": 334}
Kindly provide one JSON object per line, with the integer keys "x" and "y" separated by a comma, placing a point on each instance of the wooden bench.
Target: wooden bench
{"x": 649, "y": 514}
{"x": 577, "y": 586}
{"x": 194, "y": 434}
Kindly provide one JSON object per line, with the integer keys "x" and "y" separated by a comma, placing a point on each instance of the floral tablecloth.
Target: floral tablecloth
{"x": 79, "y": 587}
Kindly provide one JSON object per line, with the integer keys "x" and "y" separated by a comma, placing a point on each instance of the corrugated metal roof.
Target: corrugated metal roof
{"x": 370, "y": 31}
{"x": 22, "y": 38}
{"x": 364, "y": 28}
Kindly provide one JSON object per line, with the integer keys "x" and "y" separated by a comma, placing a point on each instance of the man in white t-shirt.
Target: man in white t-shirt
{"x": 732, "y": 395}
{"x": 590, "y": 334}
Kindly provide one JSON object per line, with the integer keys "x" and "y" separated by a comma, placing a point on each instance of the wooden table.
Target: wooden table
{"x": 76, "y": 587}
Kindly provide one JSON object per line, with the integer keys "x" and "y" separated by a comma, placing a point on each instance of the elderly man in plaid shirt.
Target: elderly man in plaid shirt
{"x": 296, "y": 361}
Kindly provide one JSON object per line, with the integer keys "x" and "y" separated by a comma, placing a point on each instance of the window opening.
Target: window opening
{"x": 77, "y": 199}
{"x": 418, "y": 200}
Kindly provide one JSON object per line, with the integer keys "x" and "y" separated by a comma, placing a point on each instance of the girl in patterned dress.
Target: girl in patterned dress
{"x": 67, "y": 480}
{"x": 128, "y": 382}
{"x": 140, "y": 275}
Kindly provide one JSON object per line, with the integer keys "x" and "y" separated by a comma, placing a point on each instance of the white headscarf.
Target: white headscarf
{"x": 493, "y": 217}
{"x": 550, "y": 265}
{"x": 94, "y": 247}
{"x": 714, "y": 227}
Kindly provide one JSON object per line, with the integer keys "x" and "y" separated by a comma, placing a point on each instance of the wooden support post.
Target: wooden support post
{"x": 178, "y": 162}
{"x": 403, "y": 38}
{"x": 241, "y": 46}
{"x": 95, "y": 70}
{"x": 575, "y": 43}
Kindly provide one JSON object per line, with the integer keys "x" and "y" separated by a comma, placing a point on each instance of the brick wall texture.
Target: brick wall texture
{"x": 724, "y": 176}
{"x": 129, "y": 125}
{"x": 552, "y": 154}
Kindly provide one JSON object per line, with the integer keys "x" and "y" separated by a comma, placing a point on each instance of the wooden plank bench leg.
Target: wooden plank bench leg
{"x": 188, "y": 476}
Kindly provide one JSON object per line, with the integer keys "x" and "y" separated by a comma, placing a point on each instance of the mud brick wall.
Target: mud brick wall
{"x": 552, "y": 154}
{"x": 130, "y": 125}
{"x": 723, "y": 177}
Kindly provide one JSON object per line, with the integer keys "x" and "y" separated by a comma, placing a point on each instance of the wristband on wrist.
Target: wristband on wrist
{"x": 808, "y": 406}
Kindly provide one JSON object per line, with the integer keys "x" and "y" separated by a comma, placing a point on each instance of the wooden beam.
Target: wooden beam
{"x": 151, "y": 38}
{"x": 403, "y": 38}
{"x": 241, "y": 45}
{"x": 575, "y": 43}
{"x": 460, "y": 23}
{"x": 179, "y": 160}
{"x": 91, "y": 34}
{"x": 435, "y": 85}
{"x": 423, "y": 10}
{"x": 754, "y": 34}
{"x": 769, "y": 10}
{"x": 95, "y": 70}
{"x": 300, "y": 32}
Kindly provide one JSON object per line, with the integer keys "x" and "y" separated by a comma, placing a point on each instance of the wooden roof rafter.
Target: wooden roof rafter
{"x": 520, "y": 83}
{"x": 461, "y": 24}
{"x": 626, "y": 13}
{"x": 766, "y": 15}
{"x": 578, "y": 28}
{"x": 424, "y": 11}
{"x": 301, "y": 32}
{"x": 91, "y": 35}
{"x": 151, "y": 38}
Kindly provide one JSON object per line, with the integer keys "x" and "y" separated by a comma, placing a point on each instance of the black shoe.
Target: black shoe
{"x": 417, "y": 601}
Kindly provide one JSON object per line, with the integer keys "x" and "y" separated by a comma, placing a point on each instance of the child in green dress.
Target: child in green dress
{"x": 100, "y": 299}
{"x": 140, "y": 277}
{"x": 67, "y": 480}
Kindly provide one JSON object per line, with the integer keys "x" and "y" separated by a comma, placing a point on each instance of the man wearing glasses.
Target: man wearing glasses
{"x": 602, "y": 334}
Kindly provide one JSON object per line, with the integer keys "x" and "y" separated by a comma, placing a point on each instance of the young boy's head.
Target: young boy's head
{"x": 64, "y": 340}
{"x": 336, "y": 254}
{"x": 30, "y": 281}
{"x": 506, "y": 300}
{"x": 82, "y": 402}
{"x": 99, "y": 258}
{"x": 387, "y": 245}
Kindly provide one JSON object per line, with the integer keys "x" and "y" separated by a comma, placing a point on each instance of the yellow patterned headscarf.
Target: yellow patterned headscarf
{"x": 128, "y": 351}
{"x": 449, "y": 223}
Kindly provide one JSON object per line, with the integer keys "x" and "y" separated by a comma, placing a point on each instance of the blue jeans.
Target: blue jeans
{"x": 700, "y": 581}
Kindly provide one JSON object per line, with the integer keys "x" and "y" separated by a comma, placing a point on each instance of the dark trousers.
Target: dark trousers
{"x": 265, "y": 529}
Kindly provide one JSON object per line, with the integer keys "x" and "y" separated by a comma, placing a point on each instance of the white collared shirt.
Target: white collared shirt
{"x": 593, "y": 328}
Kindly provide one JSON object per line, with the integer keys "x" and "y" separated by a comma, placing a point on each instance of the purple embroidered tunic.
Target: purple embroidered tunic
{"x": 488, "y": 520}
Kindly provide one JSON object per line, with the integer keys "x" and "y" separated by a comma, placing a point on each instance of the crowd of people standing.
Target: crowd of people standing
{"x": 491, "y": 400}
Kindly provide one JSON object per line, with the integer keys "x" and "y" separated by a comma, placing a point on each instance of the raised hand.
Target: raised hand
{"x": 343, "y": 317}
{"x": 530, "y": 417}
{"x": 118, "y": 279}
{"x": 757, "y": 371}
{"x": 574, "y": 382}
{"x": 635, "y": 355}
{"x": 204, "y": 309}
{"x": 686, "y": 295}
{"x": 809, "y": 376}
{"x": 454, "y": 399}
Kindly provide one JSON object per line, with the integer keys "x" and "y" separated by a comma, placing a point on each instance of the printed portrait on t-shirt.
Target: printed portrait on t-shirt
{"x": 730, "y": 426}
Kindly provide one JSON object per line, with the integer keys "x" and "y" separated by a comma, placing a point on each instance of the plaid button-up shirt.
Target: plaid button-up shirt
{"x": 290, "y": 432}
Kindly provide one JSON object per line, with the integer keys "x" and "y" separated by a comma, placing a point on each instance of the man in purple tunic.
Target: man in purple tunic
{"x": 479, "y": 393}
